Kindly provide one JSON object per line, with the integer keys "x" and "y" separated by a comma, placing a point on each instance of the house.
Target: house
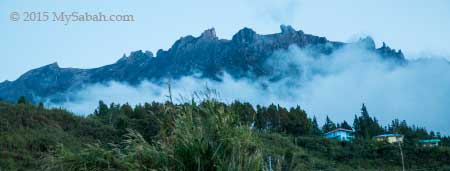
{"x": 340, "y": 134}
{"x": 389, "y": 138}
{"x": 430, "y": 142}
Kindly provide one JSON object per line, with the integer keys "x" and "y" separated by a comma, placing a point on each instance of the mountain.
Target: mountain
{"x": 208, "y": 56}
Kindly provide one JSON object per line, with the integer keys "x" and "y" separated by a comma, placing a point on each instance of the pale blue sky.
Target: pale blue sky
{"x": 417, "y": 27}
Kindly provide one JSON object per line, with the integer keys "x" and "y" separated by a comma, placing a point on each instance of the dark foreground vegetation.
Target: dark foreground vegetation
{"x": 203, "y": 136}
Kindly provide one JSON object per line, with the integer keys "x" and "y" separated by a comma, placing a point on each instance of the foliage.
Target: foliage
{"x": 209, "y": 135}
{"x": 366, "y": 126}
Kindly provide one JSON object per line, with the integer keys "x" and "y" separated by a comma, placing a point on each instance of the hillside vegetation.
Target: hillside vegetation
{"x": 209, "y": 135}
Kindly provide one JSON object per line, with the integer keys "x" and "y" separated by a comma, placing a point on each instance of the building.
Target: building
{"x": 340, "y": 134}
{"x": 389, "y": 138}
{"x": 430, "y": 142}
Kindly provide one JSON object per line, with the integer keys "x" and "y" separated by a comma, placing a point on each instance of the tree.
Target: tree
{"x": 127, "y": 110}
{"x": 315, "y": 130}
{"x": 296, "y": 122}
{"x": 41, "y": 105}
{"x": 272, "y": 121}
{"x": 245, "y": 111}
{"x": 260, "y": 122}
{"x": 345, "y": 125}
{"x": 102, "y": 109}
{"x": 22, "y": 100}
{"x": 356, "y": 124}
{"x": 329, "y": 125}
{"x": 365, "y": 126}
{"x": 289, "y": 122}
{"x": 364, "y": 112}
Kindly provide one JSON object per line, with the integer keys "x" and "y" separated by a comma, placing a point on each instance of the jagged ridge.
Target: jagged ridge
{"x": 242, "y": 56}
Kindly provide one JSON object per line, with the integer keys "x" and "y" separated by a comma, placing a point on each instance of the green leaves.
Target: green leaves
{"x": 208, "y": 135}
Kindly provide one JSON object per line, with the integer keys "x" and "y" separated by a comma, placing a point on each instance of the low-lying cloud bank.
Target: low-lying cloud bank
{"x": 334, "y": 85}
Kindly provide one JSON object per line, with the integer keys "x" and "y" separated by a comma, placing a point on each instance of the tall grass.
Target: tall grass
{"x": 209, "y": 138}
{"x": 201, "y": 137}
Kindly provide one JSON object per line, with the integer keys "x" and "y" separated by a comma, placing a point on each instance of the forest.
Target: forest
{"x": 202, "y": 135}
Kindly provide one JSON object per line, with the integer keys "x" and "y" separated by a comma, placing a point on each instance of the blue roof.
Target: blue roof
{"x": 340, "y": 130}
{"x": 389, "y": 135}
{"x": 430, "y": 141}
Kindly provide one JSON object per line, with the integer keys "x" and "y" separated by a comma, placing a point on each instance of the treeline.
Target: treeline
{"x": 273, "y": 118}
{"x": 209, "y": 135}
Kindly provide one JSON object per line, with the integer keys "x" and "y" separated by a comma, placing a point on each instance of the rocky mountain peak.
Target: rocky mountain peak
{"x": 287, "y": 29}
{"x": 136, "y": 56}
{"x": 149, "y": 53}
{"x": 243, "y": 56}
{"x": 53, "y": 65}
{"x": 50, "y": 67}
{"x": 245, "y": 36}
{"x": 209, "y": 34}
{"x": 388, "y": 53}
{"x": 367, "y": 42}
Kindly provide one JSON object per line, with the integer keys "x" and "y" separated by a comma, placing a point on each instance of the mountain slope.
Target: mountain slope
{"x": 208, "y": 56}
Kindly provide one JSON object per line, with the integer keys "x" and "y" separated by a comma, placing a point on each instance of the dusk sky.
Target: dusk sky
{"x": 419, "y": 28}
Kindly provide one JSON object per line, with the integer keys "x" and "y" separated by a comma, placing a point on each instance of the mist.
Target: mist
{"x": 332, "y": 85}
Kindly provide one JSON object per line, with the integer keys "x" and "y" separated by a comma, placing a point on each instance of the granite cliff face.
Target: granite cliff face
{"x": 207, "y": 56}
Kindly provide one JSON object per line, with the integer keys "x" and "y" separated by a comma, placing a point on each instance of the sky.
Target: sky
{"x": 419, "y": 28}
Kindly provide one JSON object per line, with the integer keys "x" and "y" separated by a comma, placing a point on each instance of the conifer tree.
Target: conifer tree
{"x": 102, "y": 108}
{"x": 329, "y": 125}
{"x": 41, "y": 105}
{"x": 345, "y": 125}
{"x": 22, "y": 100}
{"x": 316, "y": 130}
{"x": 365, "y": 126}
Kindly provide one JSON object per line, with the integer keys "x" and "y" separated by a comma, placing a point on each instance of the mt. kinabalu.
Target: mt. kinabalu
{"x": 207, "y": 55}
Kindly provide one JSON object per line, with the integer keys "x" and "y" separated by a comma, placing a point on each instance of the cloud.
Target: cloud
{"x": 280, "y": 12}
{"x": 334, "y": 85}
